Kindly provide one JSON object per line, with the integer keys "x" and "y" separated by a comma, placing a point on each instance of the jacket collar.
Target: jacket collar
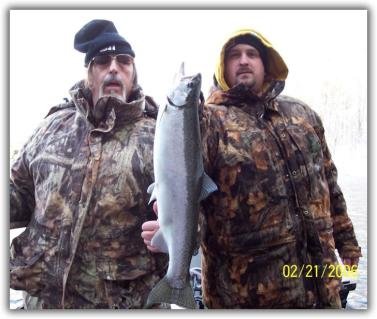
{"x": 108, "y": 111}
{"x": 241, "y": 96}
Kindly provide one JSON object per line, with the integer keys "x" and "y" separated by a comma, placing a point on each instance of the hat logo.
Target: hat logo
{"x": 110, "y": 48}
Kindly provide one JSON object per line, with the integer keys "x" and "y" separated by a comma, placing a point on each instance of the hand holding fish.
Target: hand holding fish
{"x": 149, "y": 228}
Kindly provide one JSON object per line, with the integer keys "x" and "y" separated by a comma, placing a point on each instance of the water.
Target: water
{"x": 354, "y": 188}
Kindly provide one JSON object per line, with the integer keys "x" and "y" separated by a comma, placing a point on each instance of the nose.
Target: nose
{"x": 113, "y": 68}
{"x": 244, "y": 59}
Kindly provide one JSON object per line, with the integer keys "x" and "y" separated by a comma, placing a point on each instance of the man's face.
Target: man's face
{"x": 243, "y": 64}
{"x": 111, "y": 75}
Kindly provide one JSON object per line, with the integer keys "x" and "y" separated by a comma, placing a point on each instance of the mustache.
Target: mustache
{"x": 112, "y": 79}
{"x": 244, "y": 70}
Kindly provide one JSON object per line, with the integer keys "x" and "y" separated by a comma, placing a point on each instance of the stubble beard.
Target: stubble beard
{"x": 249, "y": 82}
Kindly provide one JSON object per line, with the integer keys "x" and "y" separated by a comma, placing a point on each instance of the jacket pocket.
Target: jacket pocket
{"x": 26, "y": 272}
{"x": 309, "y": 157}
{"x": 120, "y": 254}
{"x": 33, "y": 259}
{"x": 126, "y": 267}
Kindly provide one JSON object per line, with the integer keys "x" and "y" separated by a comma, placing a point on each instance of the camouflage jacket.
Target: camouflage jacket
{"x": 278, "y": 204}
{"x": 80, "y": 186}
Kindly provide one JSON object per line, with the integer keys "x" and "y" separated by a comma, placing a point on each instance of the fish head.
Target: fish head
{"x": 187, "y": 92}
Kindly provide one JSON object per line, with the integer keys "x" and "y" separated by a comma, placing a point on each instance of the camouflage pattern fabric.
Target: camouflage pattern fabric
{"x": 80, "y": 184}
{"x": 278, "y": 204}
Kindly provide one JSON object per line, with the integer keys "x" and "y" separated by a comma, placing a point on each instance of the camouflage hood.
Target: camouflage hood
{"x": 276, "y": 69}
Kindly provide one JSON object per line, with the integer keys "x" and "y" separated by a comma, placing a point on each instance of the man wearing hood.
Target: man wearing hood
{"x": 270, "y": 232}
{"x": 79, "y": 186}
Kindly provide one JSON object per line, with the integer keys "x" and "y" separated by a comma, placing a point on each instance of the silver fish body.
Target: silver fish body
{"x": 180, "y": 184}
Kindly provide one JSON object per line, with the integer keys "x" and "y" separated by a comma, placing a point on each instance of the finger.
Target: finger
{"x": 150, "y": 225}
{"x": 147, "y": 235}
{"x": 153, "y": 249}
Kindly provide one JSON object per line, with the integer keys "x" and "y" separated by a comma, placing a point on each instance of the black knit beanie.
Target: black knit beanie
{"x": 100, "y": 37}
{"x": 250, "y": 40}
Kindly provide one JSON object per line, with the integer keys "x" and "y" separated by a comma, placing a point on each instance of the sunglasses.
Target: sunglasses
{"x": 105, "y": 60}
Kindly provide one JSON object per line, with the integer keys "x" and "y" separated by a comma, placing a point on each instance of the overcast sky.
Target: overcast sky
{"x": 319, "y": 47}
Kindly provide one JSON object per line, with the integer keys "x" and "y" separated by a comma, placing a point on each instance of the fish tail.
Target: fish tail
{"x": 164, "y": 293}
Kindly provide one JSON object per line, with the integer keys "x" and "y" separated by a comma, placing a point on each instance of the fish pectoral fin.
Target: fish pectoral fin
{"x": 151, "y": 190}
{"x": 208, "y": 187}
{"x": 159, "y": 242}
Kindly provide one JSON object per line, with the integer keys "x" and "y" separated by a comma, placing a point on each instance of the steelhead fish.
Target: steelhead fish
{"x": 180, "y": 184}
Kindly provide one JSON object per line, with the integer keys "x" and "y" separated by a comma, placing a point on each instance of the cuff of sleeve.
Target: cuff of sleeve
{"x": 350, "y": 251}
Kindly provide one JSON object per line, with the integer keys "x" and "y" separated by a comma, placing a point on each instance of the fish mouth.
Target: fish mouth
{"x": 185, "y": 92}
{"x": 196, "y": 80}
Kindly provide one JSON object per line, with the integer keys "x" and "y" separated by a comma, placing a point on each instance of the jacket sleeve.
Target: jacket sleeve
{"x": 343, "y": 231}
{"x": 210, "y": 132}
{"x": 21, "y": 191}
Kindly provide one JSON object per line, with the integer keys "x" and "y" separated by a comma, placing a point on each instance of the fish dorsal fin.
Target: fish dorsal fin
{"x": 208, "y": 187}
{"x": 151, "y": 190}
{"x": 179, "y": 74}
{"x": 159, "y": 242}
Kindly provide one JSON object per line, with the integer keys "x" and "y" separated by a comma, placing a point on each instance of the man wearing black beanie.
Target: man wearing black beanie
{"x": 79, "y": 186}
{"x": 109, "y": 59}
